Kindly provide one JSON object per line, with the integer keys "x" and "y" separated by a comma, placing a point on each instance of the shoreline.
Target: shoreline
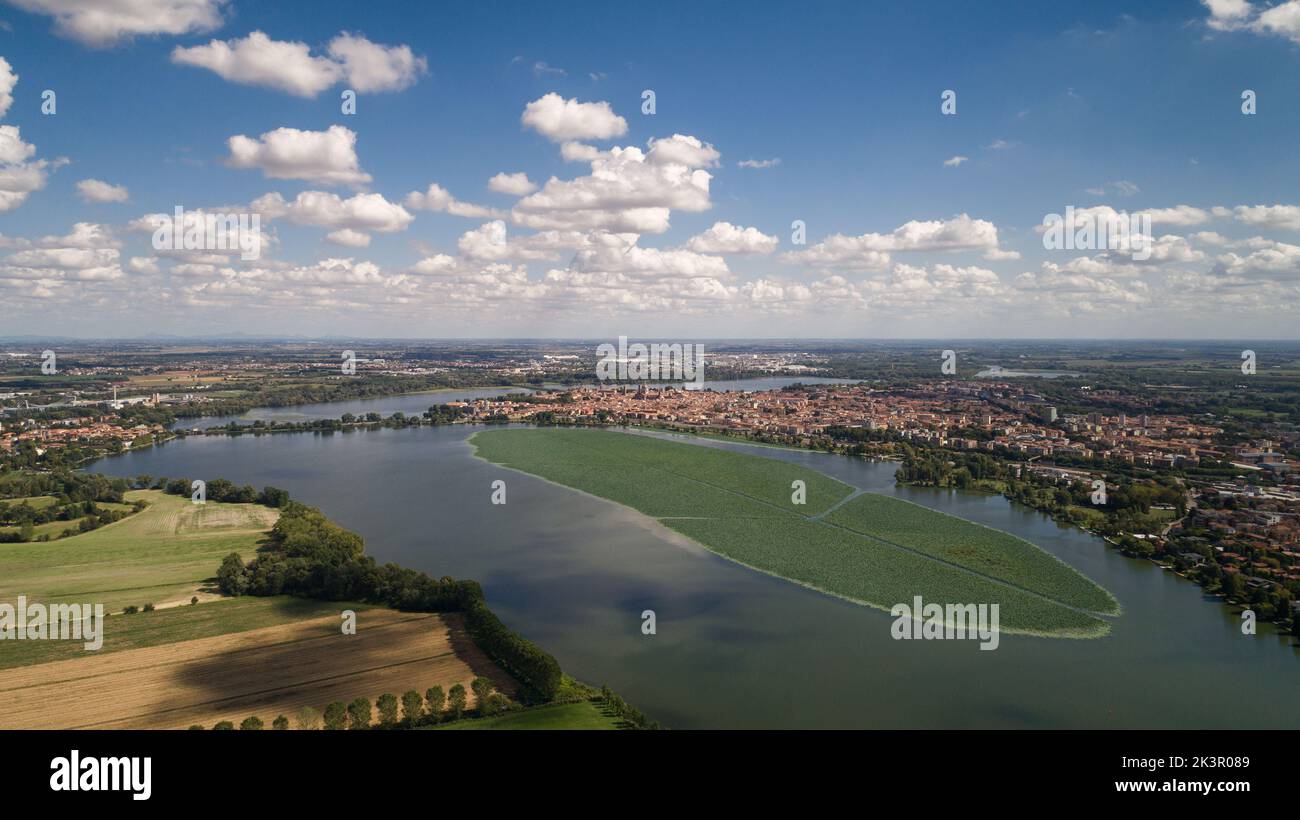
{"x": 415, "y": 421}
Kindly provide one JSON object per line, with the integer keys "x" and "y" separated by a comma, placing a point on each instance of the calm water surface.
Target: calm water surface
{"x": 736, "y": 648}
{"x": 413, "y": 404}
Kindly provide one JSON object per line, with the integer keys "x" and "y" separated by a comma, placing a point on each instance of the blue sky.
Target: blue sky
{"x": 1140, "y": 102}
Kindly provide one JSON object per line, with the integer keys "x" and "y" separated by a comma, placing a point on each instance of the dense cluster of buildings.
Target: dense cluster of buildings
{"x": 72, "y": 431}
{"x": 961, "y": 415}
{"x": 1257, "y": 534}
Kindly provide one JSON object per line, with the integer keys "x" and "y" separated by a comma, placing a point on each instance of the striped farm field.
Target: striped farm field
{"x": 275, "y": 670}
{"x": 221, "y": 616}
{"x": 870, "y": 549}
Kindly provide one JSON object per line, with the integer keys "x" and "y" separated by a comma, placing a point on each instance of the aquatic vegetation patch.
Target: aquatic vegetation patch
{"x": 870, "y": 549}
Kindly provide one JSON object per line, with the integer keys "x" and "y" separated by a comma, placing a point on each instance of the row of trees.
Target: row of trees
{"x": 627, "y": 711}
{"x": 412, "y": 709}
{"x": 219, "y": 489}
{"x": 315, "y": 391}
{"x": 436, "y": 415}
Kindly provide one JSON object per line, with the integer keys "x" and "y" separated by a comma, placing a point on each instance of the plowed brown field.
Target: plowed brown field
{"x": 264, "y": 672}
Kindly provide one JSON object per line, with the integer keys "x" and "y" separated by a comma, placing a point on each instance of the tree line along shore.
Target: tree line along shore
{"x": 302, "y": 557}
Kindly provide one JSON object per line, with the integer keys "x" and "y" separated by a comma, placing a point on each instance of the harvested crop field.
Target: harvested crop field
{"x": 263, "y": 672}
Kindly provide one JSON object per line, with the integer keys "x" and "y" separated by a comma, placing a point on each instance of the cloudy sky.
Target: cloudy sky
{"x": 502, "y": 174}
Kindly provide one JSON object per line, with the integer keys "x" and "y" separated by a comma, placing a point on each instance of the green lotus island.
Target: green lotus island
{"x": 868, "y": 548}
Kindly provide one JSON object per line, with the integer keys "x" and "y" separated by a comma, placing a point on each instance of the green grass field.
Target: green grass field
{"x": 183, "y": 623}
{"x": 36, "y": 502}
{"x": 583, "y": 715}
{"x": 162, "y": 554}
{"x": 1091, "y": 515}
{"x": 873, "y": 550}
{"x": 53, "y": 529}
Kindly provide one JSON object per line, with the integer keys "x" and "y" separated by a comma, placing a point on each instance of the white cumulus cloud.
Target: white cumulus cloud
{"x": 259, "y": 60}
{"x": 8, "y": 79}
{"x": 291, "y": 67}
{"x": 517, "y": 184}
{"x": 871, "y": 250}
{"x": 561, "y": 120}
{"x": 94, "y": 190}
{"x": 328, "y": 157}
{"x": 321, "y": 209}
{"x": 88, "y": 253}
{"x": 438, "y": 199}
{"x": 1286, "y": 217}
{"x": 349, "y": 238}
{"x": 628, "y": 190}
{"x": 20, "y": 175}
{"x": 1278, "y": 19}
{"x": 371, "y": 67}
{"x": 1179, "y": 215}
{"x": 103, "y": 23}
{"x": 723, "y": 237}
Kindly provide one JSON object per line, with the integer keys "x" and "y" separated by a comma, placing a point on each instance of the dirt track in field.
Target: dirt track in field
{"x": 264, "y": 672}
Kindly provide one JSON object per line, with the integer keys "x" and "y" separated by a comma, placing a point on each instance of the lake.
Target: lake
{"x": 413, "y": 404}
{"x": 739, "y": 649}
